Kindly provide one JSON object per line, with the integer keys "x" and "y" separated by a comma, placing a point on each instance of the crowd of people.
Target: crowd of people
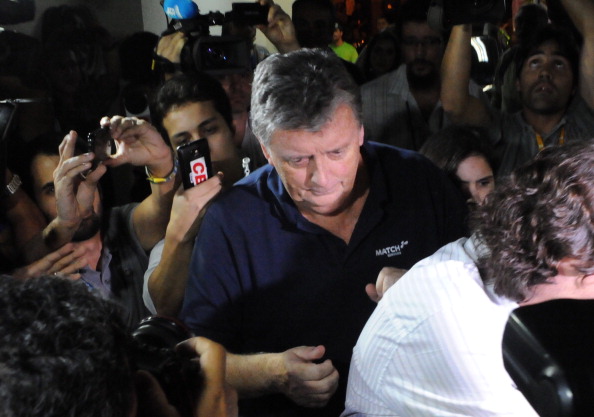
{"x": 370, "y": 223}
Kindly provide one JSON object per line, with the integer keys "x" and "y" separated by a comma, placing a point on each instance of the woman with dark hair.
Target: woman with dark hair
{"x": 464, "y": 153}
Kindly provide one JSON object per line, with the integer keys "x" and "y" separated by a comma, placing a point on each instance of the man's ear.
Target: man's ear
{"x": 361, "y": 136}
{"x": 517, "y": 85}
{"x": 266, "y": 154}
{"x": 568, "y": 267}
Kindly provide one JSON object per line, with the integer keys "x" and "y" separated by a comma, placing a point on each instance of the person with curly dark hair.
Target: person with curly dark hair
{"x": 433, "y": 345}
{"x": 64, "y": 351}
{"x": 540, "y": 225}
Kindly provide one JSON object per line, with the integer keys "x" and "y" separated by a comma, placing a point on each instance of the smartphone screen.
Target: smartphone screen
{"x": 194, "y": 162}
{"x": 101, "y": 144}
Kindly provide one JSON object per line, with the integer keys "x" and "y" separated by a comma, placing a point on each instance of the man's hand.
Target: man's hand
{"x": 152, "y": 401}
{"x": 139, "y": 143}
{"x": 75, "y": 190}
{"x": 217, "y": 398}
{"x": 386, "y": 278}
{"x": 65, "y": 262}
{"x": 170, "y": 46}
{"x": 280, "y": 29}
{"x": 188, "y": 208}
{"x": 307, "y": 383}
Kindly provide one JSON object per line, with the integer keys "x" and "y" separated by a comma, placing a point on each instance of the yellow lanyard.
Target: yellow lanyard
{"x": 540, "y": 142}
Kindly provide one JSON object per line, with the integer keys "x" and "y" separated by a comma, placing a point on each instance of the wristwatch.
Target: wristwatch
{"x": 14, "y": 184}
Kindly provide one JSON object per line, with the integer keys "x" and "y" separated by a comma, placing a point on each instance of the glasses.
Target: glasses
{"x": 432, "y": 41}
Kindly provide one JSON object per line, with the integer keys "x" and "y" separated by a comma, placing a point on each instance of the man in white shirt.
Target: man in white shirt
{"x": 433, "y": 344}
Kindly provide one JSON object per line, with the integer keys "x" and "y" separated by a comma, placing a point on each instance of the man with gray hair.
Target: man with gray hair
{"x": 283, "y": 260}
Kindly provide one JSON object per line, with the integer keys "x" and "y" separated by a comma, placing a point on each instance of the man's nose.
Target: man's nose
{"x": 318, "y": 171}
{"x": 420, "y": 49}
{"x": 545, "y": 72}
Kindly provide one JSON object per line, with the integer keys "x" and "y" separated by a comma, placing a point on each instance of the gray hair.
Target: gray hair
{"x": 300, "y": 90}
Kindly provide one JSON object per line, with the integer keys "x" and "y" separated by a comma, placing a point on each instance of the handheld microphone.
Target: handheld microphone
{"x": 180, "y": 9}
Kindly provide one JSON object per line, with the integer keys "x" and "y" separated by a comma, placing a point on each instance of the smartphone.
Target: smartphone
{"x": 101, "y": 144}
{"x": 194, "y": 162}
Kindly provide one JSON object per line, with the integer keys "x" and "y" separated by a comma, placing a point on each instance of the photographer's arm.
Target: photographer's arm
{"x": 74, "y": 196}
{"x": 169, "y": 49}
{"x": 167, "y": 282}
{"x": 280, "y": 29}
{"x": 457, "y": 102}
{"x": 582, "y": 15}
{"x": 217, "y": 398}
{"x": 292, "y": 373}
{"x": 25, "y": 218}
{"x": 139, "y": 143}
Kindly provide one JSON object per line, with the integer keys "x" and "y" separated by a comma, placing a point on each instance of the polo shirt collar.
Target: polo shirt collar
{"x": 287, "y": 210}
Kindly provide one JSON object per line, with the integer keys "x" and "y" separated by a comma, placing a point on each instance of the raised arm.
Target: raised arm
{"x": 139, "y": 143}
{"x": 460, "y": 106}
{"x": 75, "y": 190}
{"x": 581, "y": 13}
{"x": 167, "y": 282}
{"x": 280, "y": 29}
{"x": 25, "y": 218}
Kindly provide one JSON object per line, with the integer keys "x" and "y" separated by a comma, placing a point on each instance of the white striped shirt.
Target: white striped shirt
{"x": 433, "y": 345}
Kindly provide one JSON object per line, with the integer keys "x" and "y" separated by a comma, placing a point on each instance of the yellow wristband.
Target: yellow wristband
{"x": 156, "y": 180}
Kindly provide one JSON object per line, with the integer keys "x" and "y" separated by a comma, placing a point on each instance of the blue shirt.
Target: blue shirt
{"x": 265, "y": 279}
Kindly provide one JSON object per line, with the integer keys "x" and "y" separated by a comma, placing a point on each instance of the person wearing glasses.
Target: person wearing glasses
{"x": 402, "y": 107}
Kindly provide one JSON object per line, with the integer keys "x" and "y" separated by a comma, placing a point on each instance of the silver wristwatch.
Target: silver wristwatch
{"x": 14, "y": 184}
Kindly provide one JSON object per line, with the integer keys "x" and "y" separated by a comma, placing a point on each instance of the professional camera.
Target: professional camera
{"x": 217, "y": 55}
{"x": 443, "y": 14}
{"x": 153, "y": 350}
{"x": 16, "y": 11}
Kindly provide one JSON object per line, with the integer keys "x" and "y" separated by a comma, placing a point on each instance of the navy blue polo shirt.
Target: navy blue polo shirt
{"x": 265, "y": 279}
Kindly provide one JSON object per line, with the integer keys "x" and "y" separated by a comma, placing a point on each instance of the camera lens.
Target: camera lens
{"x": 161, "y": 332}
{"x": 216, "y": 56}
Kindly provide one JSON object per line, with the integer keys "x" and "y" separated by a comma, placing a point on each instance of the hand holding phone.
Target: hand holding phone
{"x": 194, "y": 162}
{"x": 101, "y": 144}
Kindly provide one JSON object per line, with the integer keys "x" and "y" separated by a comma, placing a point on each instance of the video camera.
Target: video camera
{"x": 217, "y": 55}
{"x": 153, "y": 350}
{"x": 443, "y": 14}
{"x": 16, "y": 11}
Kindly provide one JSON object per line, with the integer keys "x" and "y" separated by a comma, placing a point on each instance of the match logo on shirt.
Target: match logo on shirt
{"x": 390, "y": 251}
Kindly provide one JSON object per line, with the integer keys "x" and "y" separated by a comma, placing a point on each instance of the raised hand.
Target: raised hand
{"x": 280, "y": 29}
{"x": 139, "y": 143}
{"x": 75, "y": 187}
{"x": 65, "y": 262}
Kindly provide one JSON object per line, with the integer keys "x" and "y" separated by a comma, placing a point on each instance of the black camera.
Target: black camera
{"x": 153, "y": 350}
{"x": 217, "y": 55}
{"x": 101, "y": 144}
{"x": 444, "y": 14}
